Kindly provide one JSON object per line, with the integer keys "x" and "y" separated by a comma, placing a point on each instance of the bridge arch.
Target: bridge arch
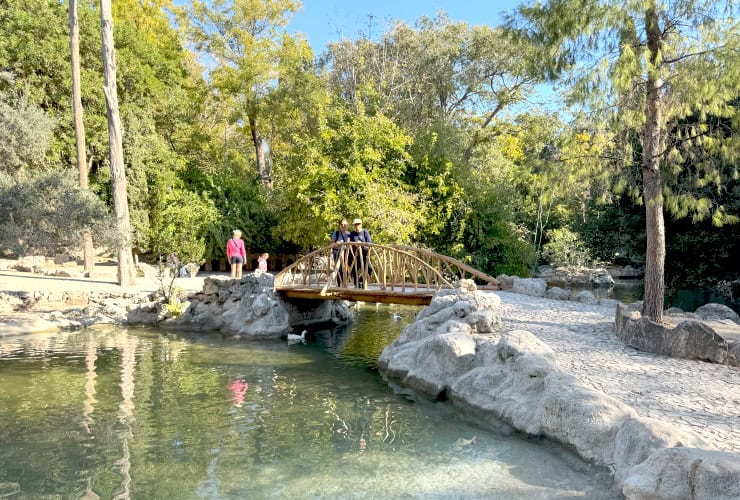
{"x": 375, "y": 273}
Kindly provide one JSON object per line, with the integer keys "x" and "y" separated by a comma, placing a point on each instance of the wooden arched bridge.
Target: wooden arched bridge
{"x": 393, "y": 274}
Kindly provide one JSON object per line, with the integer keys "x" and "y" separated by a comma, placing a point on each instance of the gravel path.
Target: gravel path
{"x": 704, "y": 397}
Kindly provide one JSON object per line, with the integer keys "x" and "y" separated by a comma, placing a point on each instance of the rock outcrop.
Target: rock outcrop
{"x": 249, "y": 307}
{"x": 709, "y": 334}
{"x": 510, "y": 380}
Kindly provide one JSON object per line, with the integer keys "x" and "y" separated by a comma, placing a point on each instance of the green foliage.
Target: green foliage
{"x": 353, "y": 169}
{"x": 47, "y": 215}
{"x": 614, "y": 231}
{"x": 25, "y": 135}
{"x": 565, "y": 248}
{"x": 179, "y": 220}
{"x": 241, "y": 204}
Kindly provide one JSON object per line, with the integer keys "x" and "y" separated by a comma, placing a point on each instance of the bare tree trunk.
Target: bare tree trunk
{"x": 74, "y": 45}
{"x": 126, "y": 270}
{"x": 259, "y": 147}
{"x": 651, "y": 179}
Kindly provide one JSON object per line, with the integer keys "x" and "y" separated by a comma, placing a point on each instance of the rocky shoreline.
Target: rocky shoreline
{"x": 247, "y": 307}
{"x": 458, "y": 349}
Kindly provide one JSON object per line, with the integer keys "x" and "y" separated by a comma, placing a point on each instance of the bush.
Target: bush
{"x": 48, "y": 214}
{"x": 179, "y": 220}
{"x": 565, "y": 248}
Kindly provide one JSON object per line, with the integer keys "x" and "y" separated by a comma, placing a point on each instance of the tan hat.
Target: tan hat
{"x": 357, "y": 221}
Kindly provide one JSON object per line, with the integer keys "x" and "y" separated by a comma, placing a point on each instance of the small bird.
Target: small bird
{"x": 462, "y": 442}
{"x": 397, "y": 316}
{"x": 294, "y": 339}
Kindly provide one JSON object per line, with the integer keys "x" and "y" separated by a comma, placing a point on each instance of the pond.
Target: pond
{"x": 145, "y": 413}
{"x": 688, "y": 299}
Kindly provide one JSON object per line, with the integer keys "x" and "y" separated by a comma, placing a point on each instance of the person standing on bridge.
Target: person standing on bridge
{"x": 236, "y": 253}
{"x": 339, "y": 237}
{"x": 362, "y": 268}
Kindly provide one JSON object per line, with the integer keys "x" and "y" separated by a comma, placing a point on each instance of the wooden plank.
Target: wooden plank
{"x": 359, "y": 295}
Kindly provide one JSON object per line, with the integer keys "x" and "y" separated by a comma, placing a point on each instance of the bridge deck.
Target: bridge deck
{"x": 373, "y": 293}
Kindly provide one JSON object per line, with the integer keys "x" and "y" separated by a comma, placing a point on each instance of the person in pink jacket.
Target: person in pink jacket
{"x": 236, "y": 253}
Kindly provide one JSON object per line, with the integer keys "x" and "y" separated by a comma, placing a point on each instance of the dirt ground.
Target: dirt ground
{"x": 103, "y": 279}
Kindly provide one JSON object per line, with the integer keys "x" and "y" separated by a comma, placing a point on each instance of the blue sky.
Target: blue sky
{"x": 324, "y": 21}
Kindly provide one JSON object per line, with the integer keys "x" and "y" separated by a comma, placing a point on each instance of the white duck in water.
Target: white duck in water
{"x": 294, "y": 339}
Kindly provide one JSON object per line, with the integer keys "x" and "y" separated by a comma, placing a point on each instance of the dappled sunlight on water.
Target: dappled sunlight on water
{"x": 144, "y": 413}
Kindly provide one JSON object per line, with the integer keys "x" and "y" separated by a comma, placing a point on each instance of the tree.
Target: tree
{"x": 653, "y": 63}
{"x": 353, "y": 168}
{"x": 437, "y": 71}
{"x": 126, "y": 271}
{"x": 243, "y": 37}
{"x": 74, "y": 45}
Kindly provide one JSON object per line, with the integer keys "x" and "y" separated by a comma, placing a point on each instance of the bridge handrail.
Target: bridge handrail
{"x": 464, "y": 267}
{"x": 298, "y": 264}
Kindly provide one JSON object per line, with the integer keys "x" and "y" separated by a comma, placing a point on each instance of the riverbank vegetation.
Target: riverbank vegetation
{"x": 431, "y": 133}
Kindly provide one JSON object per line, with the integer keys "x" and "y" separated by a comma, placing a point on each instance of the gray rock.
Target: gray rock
{"x": 506, "y": 282}
{"x": 585, "y": 297}
{"x": 584, "y": 418}
{"x": 601, "y": 278}
{"x": 529, "y": 286}
{"x": 638, "y": 437}
{"x": 516, "y": 383}
{"x": 717, "y": 312}
{"x": 677, "y": 473}
{"x": 262, "y": 316}
{"x": 557, "y": 293}
{"x": 440, "y": 361}
{"x": 689, "y": 339}
{"x": 674, "y": 311}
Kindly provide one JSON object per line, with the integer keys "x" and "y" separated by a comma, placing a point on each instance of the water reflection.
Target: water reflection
{"x": 142, "y": 413}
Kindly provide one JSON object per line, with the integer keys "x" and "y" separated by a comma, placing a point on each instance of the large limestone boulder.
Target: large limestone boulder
{"x": 261, "y": 315}
{"x": 714, "y": 312}
{"x": 456, "y": 310}
{"x": 529, "y": 286}
{"x": 557, "y": 293}
{"x": 440, "y": 360}
{"x": 689, "y": 338}
{"x": 676, "y": 473}
{"x": 585, "y": 297}
{"x": 639, "y": 437}
{"x": 250, "y": 307}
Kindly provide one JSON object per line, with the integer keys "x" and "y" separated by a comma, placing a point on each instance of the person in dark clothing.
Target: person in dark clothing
{"x": 362, "y": 266}
{"x": 339, "y": 237}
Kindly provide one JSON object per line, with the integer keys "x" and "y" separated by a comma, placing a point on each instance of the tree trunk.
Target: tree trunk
{"x": 652, "y": 184}
{"x": 259, "y": 148}
{"x": 126, "y": 270}
{"x": 74, "y": 46}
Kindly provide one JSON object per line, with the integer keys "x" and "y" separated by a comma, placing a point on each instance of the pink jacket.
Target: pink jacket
{"x": 235, "y": 247}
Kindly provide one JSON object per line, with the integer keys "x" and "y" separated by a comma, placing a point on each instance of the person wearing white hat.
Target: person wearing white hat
{"x": 360, "y": 235}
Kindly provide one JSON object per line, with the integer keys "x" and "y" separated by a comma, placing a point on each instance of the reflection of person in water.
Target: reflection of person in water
{"x": 238, "y": 388}
{"x": 351, "y": 431}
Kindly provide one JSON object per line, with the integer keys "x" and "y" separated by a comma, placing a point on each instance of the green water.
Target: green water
{"x": 144, "y": 413}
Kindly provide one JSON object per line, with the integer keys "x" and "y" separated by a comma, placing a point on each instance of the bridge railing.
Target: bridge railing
{"x": 452, "y": 269}
{"x": 363, "y": 265}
